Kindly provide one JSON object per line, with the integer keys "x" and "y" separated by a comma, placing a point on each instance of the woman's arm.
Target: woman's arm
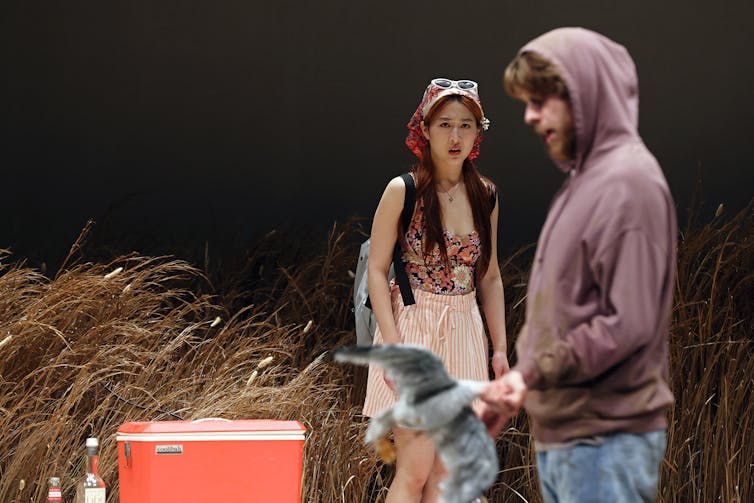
{"x": 493, "y": 303}
{"x": 383, "y": 238}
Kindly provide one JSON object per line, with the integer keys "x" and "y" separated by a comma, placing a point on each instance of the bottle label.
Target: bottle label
{"x": 94, "y": 495}
{"x": 54, "y": 494}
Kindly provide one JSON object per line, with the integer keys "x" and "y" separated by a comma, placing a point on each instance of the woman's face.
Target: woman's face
{"x": 451, "y": 133}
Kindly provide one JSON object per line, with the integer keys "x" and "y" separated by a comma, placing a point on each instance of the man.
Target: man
{"x": 591, "y": 367}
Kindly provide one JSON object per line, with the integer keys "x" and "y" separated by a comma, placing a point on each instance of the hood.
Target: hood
{"x": 603, "y": 87}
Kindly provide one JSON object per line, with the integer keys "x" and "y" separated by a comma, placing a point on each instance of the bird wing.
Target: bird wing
{"x": 469, "y": 455}
{"x": 416, "y": 372}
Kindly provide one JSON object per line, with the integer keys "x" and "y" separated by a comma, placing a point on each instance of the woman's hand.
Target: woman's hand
{"x": 500, "y": 364}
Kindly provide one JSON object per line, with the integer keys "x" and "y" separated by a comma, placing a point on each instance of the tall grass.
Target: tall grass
{"x": 96, "y": 346}
{"x": 711, "y": 440}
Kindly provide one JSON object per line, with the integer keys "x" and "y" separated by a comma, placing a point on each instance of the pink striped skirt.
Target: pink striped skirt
{"x": 448, "y": 325}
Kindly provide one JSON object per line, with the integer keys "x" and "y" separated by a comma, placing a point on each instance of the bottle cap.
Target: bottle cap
{"x": 92, "y": 442}
{"x": 54, "y": 481}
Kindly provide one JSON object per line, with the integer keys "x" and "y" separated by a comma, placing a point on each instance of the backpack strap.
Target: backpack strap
{"x": 399, "y": 267}
{"x": 409, "y": 201}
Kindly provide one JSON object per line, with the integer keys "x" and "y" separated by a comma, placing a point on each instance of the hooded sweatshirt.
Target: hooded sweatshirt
{"x": 594, "y": 349}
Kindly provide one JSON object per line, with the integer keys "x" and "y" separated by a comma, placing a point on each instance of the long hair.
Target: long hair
{"x": 478, "y": 190}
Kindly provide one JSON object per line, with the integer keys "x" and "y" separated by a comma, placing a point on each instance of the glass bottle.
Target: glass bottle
{"x": 91, "y": 488}
{"x": 54, "y": 494}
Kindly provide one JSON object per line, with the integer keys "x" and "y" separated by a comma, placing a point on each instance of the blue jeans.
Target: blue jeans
{"x": 623, "y": 468}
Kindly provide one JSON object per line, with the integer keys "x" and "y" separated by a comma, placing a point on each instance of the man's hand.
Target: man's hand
{"x": 507, "y": 393}
{"x": 503, "y": 399}
{"x": 492, "y": 418}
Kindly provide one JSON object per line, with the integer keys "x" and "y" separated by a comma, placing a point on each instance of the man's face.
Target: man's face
{"x": 552, "y": 120}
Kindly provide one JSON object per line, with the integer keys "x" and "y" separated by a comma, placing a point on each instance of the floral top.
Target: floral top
{"x": 435, "y": 276}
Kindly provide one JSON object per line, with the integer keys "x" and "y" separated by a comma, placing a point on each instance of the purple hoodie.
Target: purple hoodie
{"x": 594, "y": 348}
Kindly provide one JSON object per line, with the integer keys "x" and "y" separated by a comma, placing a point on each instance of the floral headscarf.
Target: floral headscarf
{"x": 416, "y": 141}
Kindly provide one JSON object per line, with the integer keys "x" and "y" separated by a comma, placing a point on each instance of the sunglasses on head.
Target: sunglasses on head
{"x": 465, "y": 85}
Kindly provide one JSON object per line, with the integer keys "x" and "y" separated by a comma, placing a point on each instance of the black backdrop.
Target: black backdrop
{"x": 179, "y": 123}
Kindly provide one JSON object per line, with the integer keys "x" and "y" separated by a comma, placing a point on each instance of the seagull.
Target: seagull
{"x": 432, "y": 402}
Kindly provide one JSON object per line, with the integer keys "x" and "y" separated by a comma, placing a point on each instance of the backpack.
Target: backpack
{"x": 362, "y": 308}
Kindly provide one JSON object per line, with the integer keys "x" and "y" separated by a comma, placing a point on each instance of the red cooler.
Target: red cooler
{"x": 211, "y": 461}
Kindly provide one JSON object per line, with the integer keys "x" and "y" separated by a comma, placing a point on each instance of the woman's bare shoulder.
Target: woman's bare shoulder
{"x": 396, "y": 188}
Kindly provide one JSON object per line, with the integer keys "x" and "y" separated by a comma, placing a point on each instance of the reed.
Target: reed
{"x": 139, "y": 338}
{"x": 711, "y": 443}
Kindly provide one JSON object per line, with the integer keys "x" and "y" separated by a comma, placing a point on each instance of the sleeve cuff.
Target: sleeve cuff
{"x": 530, "y": 372}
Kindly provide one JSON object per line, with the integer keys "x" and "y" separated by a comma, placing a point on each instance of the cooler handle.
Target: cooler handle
{"x": 210, "y": 419}
{"x": 127, "y": 453}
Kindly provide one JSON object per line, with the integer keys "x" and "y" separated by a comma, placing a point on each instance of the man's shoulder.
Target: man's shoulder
{"x": 633, "y": 159}
{"x": 628, "y": 192}
{"x": 631, "y": 175}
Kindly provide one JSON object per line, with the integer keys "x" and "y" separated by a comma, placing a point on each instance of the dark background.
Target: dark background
{"x": 184, "y": 123}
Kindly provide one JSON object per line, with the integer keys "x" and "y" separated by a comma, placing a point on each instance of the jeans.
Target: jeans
{"x": 624, "y": 468}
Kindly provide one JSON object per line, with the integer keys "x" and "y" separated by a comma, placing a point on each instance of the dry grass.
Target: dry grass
{"x": 711, "y": 440}
{"x": 92, "y": 348}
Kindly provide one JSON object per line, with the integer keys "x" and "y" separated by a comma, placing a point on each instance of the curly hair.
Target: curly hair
{"x": 531, "y": 73}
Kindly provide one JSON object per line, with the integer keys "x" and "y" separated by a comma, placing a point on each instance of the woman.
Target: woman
{"x": 450, "y": 252}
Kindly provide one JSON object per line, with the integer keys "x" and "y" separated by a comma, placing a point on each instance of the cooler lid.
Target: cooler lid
{"x": 213, "y": 429}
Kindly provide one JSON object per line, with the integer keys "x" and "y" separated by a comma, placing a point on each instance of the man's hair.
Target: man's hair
{"x": 531, "y": 73}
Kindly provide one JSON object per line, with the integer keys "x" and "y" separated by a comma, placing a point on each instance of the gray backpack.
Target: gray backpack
{"x": 362, "y": 308}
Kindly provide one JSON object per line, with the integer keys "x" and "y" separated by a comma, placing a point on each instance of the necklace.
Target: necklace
{"x": 450, "y": 190}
